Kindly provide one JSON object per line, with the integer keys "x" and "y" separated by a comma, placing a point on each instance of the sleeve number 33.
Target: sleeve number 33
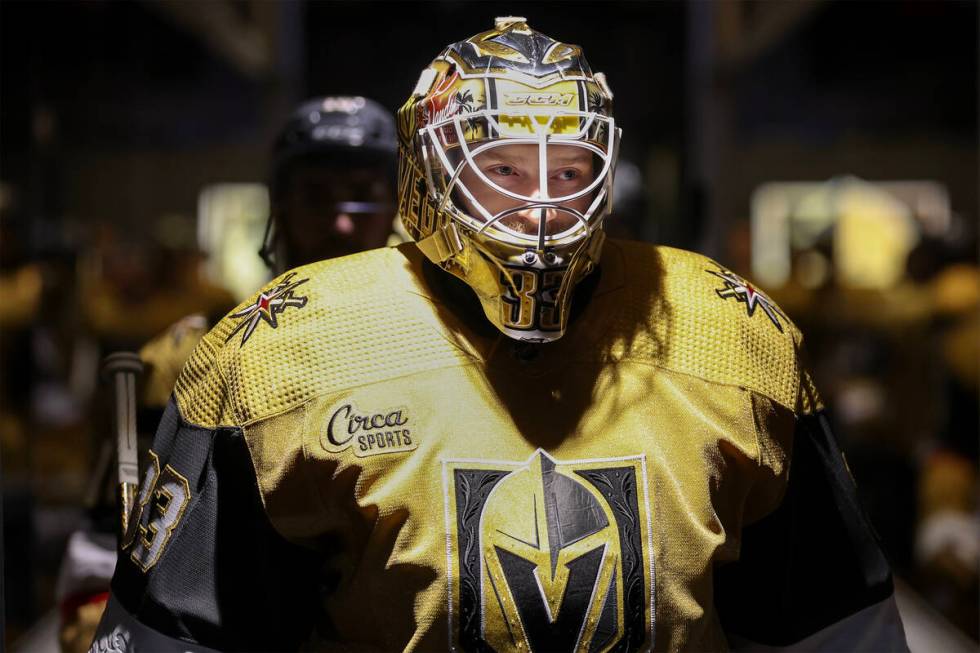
{"x": 163, "y": 497}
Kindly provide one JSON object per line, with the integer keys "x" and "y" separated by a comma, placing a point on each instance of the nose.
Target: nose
{"x": 536, "y": 194}
{"x": 534, "y": 187}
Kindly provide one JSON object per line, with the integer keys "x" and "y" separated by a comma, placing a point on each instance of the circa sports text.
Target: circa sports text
{"x": 368, "y": 433}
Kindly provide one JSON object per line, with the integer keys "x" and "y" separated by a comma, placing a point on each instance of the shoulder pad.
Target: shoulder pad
{"x": 708, "y": 322}
{"x": 316, "y": 329}
{"x": 165, "y": 355}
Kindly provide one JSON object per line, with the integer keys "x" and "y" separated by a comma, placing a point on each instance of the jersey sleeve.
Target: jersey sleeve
{"x": 201, "y": 567}
{"x": 811, "y": 574}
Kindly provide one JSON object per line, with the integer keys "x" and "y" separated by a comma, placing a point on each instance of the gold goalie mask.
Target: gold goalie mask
{"x": 507, "y": 149}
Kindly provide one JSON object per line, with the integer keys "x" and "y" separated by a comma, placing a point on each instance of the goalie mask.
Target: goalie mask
{"x": 507, "y": 149}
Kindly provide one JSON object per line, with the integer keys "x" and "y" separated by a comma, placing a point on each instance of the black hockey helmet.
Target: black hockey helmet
{"x": 333, "y": 130}
{"x": 342, "y": 126}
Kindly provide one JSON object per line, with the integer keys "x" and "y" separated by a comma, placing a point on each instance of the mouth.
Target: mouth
{"x": 555, "y": 223}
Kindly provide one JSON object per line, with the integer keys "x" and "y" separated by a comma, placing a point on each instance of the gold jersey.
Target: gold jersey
{"x": 482, "y": 493}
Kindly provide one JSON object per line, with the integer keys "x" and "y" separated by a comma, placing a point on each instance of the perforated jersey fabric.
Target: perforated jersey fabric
{"x": 695, "y": 331}
{"x": 355, "y": 459}
{"x": 359, "y": 327}
{"x": 379, "y": 414}
{"x": 369, "y": 321}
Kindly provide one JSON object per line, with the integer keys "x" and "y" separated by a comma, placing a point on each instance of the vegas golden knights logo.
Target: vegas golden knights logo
{"x": 549, "y": 556}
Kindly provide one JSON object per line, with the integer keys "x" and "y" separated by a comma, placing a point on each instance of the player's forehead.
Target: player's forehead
{"x": 528, "y": 154}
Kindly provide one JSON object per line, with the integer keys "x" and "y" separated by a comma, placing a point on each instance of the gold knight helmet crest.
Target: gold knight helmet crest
{"x": 549, "y": 554}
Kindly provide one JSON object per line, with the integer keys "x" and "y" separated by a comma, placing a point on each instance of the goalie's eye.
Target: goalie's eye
{"x": 503, "y": 170}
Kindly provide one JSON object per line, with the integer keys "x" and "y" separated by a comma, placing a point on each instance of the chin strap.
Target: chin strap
{"x": 442, "y": 244}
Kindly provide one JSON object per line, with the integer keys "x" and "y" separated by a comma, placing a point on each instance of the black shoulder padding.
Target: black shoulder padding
{"x": 812, "y": 562}
{"x": 225, "y": 579}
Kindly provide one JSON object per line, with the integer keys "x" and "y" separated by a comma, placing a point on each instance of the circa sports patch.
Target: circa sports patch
{"x": 549, "y": 555}
{"x": 368, "y": 433}
{"x": 267, "y": 307}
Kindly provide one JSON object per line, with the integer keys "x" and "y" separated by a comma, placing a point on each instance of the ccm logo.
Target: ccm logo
{"x": 539, "y": 99}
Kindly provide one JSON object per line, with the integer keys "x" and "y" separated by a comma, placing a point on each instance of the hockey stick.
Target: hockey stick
{"x": 122, "y": 368}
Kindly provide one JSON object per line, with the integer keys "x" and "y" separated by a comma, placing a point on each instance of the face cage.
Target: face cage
{"x": 596, "y": 134}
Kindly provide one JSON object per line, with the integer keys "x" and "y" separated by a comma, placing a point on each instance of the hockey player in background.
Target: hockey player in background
{"x": 332, "y": 186}
{"x": 332, "y": 192}
{"x": 512, "y": 434}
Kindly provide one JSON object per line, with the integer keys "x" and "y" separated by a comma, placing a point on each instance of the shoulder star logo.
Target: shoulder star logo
{"x": 267, "y": 307}
{"x": 742, "y": 290}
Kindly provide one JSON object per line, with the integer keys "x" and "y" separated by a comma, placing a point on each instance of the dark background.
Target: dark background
{"x": 141, "y": 103}
{"x": 115, "y": 114}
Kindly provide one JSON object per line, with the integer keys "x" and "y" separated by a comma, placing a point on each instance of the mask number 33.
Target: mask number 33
{"x": 529, "y": 299}
{"x": 163, "y": 497}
